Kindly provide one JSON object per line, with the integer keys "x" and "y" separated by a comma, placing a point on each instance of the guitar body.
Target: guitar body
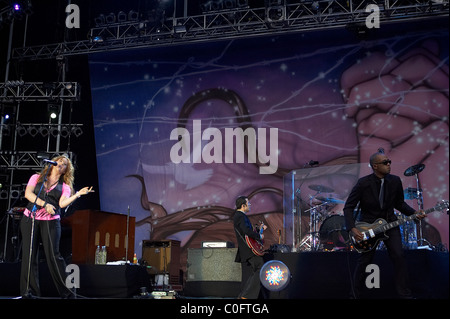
{"x": 375, "y": 232}
{"x": 256, "y": 246}
{"x": 371, "y": 242}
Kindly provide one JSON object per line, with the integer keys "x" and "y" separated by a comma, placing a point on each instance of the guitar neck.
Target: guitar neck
{"x": 403, "y": 220}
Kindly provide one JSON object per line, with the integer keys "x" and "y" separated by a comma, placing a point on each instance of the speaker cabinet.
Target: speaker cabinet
{"x": 212, "y": 272}
{"x": 213, "y": 264}
{"x": 164, "y": 258}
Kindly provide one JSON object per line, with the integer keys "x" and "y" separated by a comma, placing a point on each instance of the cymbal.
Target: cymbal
{"x": 413, "y": 170}
{"x": 321, "y": 188}
{"x": 330, "y": 200}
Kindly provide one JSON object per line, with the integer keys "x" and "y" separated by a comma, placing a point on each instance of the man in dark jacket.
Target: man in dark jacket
{"x": 245, "y": 256}
{"x": 377, "y": 195}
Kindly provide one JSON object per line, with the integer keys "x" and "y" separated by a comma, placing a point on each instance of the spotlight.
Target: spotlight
{"x": 77, "y": 131}
{"x": 97, "y": 39}
{"x": 54, "y": 131}
{"x": 100, "y": 20}
{"x": 16, "y": 7}
{"x": 21, "y": 130}
{"x": 121, "y": 17}
{"x": 4, "y": 194}
{"x": 274, "y": 275}
{"x": 53, "y": 110}
{"x": 110, "y": 18}
{"x": 315, "y": 5}
{"x": 32, "y": 130}
{"x": 44, "y": 131}
{"x": 65, "y": 131}
{"x": 133, "y": 15}
{"x": 15, "y": 194}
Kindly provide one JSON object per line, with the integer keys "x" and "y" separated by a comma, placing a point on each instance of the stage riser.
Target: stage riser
{"x": 314, "y": 276}
{"x": 96, "y": 281}
{"x": 319, "y": 275}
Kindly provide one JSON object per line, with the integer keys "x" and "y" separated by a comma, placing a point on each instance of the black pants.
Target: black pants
{"x": 395, "y": 252}
{"x": 252, "y": 285}
{"x": 49, "y": 233}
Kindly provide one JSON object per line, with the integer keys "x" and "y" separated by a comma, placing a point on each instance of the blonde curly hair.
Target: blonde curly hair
{"x": 68, "y": 177}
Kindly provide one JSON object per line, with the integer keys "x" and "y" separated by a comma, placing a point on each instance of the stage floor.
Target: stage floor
{"x": 314, "y": 275}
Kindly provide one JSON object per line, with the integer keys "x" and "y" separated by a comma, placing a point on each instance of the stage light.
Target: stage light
{"x": 100, "y": 20}
{"x": 110, "y": 18}
{"x": 54, "y": 131}
{"x": 16, "y": 7}
{"x": 77, "y": 131}
{"x": 21, "y": 130}
{"x": 53, "y": 110}
{"x": 97, "y": 39}
{"x": 121, "y": 17}
{"x": 32, "y": 130}
{"x": 65, "y": 131}
{"x": 274, "y": 275}
{"x": 4, "y": 194}
{"x": 44, "y": 130}
{"x": 315, "y": 5}
{"x": 133, "y": 15}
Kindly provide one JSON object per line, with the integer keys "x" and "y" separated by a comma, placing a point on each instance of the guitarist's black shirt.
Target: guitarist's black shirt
{"x": 366, "y": 192}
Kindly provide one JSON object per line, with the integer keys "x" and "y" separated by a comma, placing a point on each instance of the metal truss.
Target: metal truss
{"x": 280, "y": 16}
{"x": 43, "y": 129}
{"x": 12, "y": 161}
{"x": 39, "y": 91}
{"x": 26, "y": 160}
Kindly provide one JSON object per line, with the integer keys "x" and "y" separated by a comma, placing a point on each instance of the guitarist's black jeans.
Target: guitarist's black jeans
{"x": 395, "y": 252}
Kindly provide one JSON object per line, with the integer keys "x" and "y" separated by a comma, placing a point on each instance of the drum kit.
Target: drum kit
{"x": 326, "y": 229}
{"x": 415, "y": 193}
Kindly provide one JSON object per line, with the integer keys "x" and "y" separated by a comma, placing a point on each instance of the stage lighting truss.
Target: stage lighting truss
{"x": 26, "y": 160}
{"x": 277, "y": 16}
{"x": 39, "y": 91}
{"x": 44, "y": 129}
{"x": 14, "y": 191}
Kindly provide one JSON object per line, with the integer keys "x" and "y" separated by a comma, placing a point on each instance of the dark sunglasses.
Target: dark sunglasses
{"x": 385, "y": 162}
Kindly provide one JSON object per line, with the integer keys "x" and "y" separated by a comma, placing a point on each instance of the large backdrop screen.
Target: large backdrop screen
{"x": 181, "y": 131}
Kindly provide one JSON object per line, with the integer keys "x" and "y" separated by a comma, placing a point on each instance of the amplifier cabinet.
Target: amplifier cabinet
{"x": 163, "y": 257}
{"x": 213, "y": 264}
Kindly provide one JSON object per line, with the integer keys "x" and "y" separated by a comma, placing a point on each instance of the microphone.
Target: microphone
{"x": 311, "y": 163}
{"x": 50, "y": 162}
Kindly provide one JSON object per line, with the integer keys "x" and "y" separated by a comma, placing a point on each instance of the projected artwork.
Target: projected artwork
{"x": 182, "y": 131}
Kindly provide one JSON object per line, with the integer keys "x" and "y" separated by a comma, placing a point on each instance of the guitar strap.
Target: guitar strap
{"x": 357, "y": 212}
{"x": 237, "y": 231}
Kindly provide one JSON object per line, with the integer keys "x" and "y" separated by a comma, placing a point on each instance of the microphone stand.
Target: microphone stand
{"x": 33, "y": 215}
{"x": 128, "y": 227}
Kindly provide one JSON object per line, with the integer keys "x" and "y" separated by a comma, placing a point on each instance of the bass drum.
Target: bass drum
{"x": 333, "y": 234}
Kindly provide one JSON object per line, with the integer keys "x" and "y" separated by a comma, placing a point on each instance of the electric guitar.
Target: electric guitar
{"x": 375, "y": 232}
{"x": 257, "y": 246}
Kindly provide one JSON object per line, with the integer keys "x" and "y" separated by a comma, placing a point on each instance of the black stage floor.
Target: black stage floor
{"x": 314, "y": 275}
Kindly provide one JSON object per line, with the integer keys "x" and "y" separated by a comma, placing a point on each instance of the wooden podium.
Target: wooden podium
{"x": 92, "y": 228}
